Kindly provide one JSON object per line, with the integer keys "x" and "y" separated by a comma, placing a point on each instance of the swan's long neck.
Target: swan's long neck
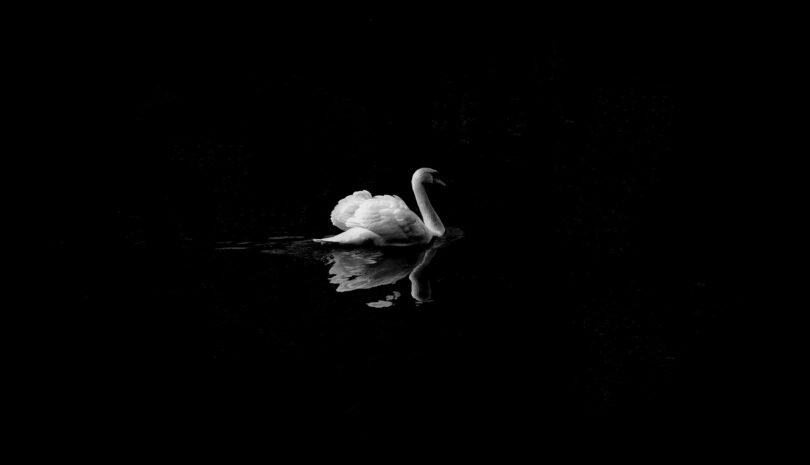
{"x": 429, "y": 216}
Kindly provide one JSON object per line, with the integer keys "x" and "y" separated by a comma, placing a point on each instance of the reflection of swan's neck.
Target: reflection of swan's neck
{"x": 429, "y": 216}
{"x": 420, "y": 287}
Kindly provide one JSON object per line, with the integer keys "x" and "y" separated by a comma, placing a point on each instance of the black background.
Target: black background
{"x": 585, "y": 170}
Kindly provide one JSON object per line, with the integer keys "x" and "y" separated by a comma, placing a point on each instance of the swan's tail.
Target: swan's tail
{"x": 354, "y": 236}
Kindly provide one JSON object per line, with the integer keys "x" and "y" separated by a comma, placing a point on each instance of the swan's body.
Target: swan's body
{"x": 385, "y": 220}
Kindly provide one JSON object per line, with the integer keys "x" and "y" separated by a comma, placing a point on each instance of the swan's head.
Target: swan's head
{"x": 426, "y": 176}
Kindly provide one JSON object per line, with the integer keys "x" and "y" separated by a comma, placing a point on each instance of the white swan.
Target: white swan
{"x": 385, "y": 220}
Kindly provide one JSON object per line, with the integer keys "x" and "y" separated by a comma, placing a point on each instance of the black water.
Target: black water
{"x": 586, "y": 277}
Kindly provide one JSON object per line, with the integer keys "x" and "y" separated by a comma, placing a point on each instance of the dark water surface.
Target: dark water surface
{"x": 478, "y": 334}
{"x": 584, "y": 277}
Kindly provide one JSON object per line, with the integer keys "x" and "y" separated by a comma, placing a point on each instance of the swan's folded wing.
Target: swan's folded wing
{"x": 346, "y": 208}
{"x": 389, "y": 217}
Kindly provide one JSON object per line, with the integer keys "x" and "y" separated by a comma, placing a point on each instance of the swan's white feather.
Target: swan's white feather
{"x": 352, "y": 236}
{"x": 390, "y": 218}
{"x": 346, "y": 208}
{"x": 382, "y": 219}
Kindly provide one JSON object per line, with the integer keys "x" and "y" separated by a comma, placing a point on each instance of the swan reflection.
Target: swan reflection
{"x": 355, "y": 269}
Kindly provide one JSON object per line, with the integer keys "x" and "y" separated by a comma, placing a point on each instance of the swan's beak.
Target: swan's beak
{"x": 439, "y": 182}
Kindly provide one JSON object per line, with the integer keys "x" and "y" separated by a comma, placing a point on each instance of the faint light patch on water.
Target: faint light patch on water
{"x": 388, "y": 302}
{"x": 380, "y": 304}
